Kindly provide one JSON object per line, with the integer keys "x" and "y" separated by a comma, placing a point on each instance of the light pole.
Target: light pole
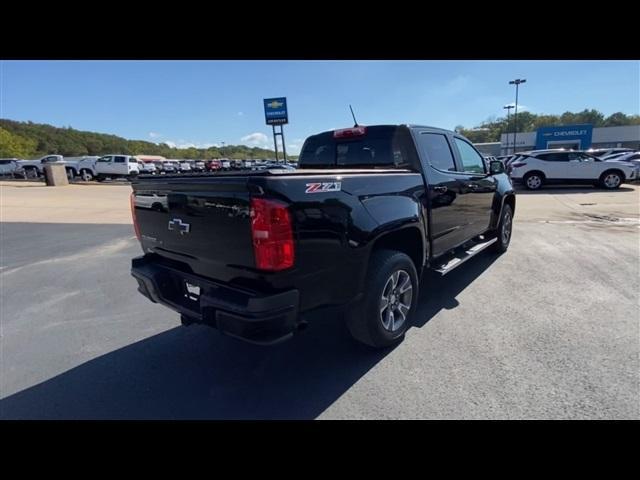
{"x": 516, "y": 82}
{"x": 508, "y": 108}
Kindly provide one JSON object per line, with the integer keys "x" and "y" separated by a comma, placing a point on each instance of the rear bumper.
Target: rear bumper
{"x": 250, "y": 316}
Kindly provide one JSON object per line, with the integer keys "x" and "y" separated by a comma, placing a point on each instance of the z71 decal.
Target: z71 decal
{"x": 323, "y": 187}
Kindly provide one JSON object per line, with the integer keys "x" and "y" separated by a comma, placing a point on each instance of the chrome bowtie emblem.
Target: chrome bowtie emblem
{"x": 179, "y": 225}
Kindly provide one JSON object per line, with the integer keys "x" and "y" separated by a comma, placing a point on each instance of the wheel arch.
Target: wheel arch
{"x": 409, "y": 240}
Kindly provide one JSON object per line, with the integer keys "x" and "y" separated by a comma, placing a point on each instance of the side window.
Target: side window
{"x": 554, "y": 157}
{"x": 435, "y": 148}
{"x": 104, "y": 159}
{"x": 472, "y": 161}
{"x": 121, "y": 159}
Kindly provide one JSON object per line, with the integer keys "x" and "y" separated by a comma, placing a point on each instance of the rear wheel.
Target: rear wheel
{"x": 611, "y": 179}
{"x": 383, "y": 316}
{"x": 533, "y": 181}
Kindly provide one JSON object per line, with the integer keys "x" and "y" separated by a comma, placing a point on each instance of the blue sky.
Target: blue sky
{"x": 203, "y": 103}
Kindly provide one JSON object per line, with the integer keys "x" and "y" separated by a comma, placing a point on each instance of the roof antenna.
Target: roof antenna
{"x": 354, "y": 117}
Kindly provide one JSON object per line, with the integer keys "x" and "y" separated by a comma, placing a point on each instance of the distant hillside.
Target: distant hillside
{"x": 30, "y": 140}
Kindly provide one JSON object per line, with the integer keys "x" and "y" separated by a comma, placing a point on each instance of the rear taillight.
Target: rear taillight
{"x": 350, "y": 132}
{"x": 518, "y": 164}
{"x": 272, "y": 234}
{"x": 132, "y": 201}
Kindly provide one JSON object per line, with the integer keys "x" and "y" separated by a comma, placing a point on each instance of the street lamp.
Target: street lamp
{"x": 508, "y": 108}
{"x": 516, "y": 82}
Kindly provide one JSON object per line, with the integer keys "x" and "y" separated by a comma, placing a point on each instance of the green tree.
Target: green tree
{"x": 617, "y": 119}
{"x": 12, "y": 145}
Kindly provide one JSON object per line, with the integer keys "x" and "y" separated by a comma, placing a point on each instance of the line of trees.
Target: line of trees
{"x": 31, "y": 140}
{"x": 491, "y": 129}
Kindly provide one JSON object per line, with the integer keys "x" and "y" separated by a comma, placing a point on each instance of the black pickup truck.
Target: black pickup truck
{"x": 369, "y": 209}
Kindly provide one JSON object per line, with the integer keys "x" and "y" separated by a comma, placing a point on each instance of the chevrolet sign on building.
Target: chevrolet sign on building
{"x": 576, "y": 137}
{"x": 275, "y": 111}
{"x": 569, "y": 136}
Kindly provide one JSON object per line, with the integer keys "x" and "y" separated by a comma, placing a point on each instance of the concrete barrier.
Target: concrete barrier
{"x": 55, "y": 175}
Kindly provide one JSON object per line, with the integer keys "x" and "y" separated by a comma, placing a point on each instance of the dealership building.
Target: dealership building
{"x": 577, "y": 137}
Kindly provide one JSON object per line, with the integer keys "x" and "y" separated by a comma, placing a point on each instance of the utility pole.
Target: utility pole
{"x": 508, "y": 108}
{"x": 517, "y": 83}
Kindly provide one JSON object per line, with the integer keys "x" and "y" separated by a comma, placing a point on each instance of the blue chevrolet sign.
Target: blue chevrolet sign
{"x": 275, "y": 111}
{"x": 579, "y": 135}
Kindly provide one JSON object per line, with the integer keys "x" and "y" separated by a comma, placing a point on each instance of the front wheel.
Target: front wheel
{"x": 611, "y": 180}
{"x": 504, "y": 230}
{"x": 383, "y": 316}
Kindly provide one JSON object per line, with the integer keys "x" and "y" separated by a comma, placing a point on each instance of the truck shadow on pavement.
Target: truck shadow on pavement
{"x": 197, "y": 373}
{"x": 439, "y": 293}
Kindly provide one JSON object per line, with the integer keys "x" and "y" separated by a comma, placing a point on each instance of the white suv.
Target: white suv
{"x": 540, "y": 167}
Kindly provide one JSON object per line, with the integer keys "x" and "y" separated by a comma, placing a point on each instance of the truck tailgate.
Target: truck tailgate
{"x": 204, "y": 224}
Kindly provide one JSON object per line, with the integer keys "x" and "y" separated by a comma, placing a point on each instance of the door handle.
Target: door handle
{"x": 440, "y": 189}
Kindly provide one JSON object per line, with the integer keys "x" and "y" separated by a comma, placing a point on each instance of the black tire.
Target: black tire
{"x": 32, "y": 172}
{"x": 366, "y": 319}
{"x": 504, "y": 230}
{"x": 533, "y": 181}
{"x": 86, "y": 175}
{"x": 611, "y": 179}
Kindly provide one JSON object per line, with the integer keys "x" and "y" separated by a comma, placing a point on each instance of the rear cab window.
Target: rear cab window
{"x": 378, "y": 147}
{"x": 436, "y": 149}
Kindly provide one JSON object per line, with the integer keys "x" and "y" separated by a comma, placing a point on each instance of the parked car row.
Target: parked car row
{"x": 125, "y": 166}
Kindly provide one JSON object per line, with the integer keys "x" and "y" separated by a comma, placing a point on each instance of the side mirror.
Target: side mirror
{"x": 496, "y": 167}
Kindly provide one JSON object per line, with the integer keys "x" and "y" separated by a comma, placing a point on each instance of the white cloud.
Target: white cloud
{"x": 154, "y": 134}
{"x": 256, "y": 139}
{"x": 188, "y": 144}
{"x": 240, "y": 114}
{"x": 293, "y": 149}
{"x": 456, "y": 85}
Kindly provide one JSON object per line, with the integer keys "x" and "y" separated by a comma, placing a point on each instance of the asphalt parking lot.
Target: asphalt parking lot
{"x": 549, "y": 330}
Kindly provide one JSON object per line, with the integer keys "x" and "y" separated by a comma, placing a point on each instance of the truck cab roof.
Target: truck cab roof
{"x": 401, "y": 125}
